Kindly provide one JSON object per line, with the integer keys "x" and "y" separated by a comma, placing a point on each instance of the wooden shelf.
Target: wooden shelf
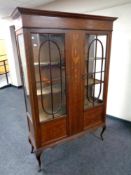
{"x": 91, "y": 82}
{"x": 47, "y": 90}
{"x": 48, "y": 64}
{"x": 92, "y": 58}
{"x": 56, "y": 87}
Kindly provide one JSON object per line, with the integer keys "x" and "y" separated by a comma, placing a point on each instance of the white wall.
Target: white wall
{"x": 119, "y": 94}
{"x": 7, "y": 33}
{"x": 13, "y": 61}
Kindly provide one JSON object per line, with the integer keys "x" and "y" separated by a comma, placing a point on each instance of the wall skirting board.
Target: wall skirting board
{"x": 16, "y": 86}
{"x": 11, "y": 85}
{"x": 117, "y": 118}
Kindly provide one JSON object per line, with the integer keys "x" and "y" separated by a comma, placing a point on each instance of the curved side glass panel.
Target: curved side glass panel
{"x": 49, "y": 65}
{"x": 24, "y": 76}
{"x": 94, "y": 70}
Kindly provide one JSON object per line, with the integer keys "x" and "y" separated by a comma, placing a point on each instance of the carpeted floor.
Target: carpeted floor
{"x": 87, "y": 155}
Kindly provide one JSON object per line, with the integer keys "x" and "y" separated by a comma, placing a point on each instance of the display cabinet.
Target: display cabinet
{"x": 64, "y": 60}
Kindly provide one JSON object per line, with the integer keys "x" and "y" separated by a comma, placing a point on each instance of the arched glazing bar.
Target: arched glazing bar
{"x": 96, "y": 41}
{"x": 49, "y": 42}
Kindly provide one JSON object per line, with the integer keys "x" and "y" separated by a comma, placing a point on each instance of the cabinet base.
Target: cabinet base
{"x": 38, "y": 152}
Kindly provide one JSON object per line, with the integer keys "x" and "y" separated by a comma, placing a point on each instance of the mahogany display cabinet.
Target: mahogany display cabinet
{"x": 64, "y": 59}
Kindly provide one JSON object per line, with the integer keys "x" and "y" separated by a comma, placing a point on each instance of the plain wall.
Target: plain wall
{"x": 119, "y": 93}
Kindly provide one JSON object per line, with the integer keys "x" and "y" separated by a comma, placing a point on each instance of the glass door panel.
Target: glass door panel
{"x": 49, "y": 65}
{"x": 20, "y": 40}
{"x": 94, "y": 70}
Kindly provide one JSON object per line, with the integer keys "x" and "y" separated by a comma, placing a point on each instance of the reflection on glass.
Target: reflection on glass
{"x": 24, "y": 72}
{"x": 49, "y": 64}
{"x": 94, "y": 70}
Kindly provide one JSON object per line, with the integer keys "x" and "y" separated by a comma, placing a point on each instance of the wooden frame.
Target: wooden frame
{"x": 75, "y": 27}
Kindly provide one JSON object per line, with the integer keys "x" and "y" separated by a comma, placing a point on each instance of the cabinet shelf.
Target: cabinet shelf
{"x": 92, "y": 58}
{"x": 46, "y": 64}
{"x": 97, "y": 72}
{"x": 47, "y": 82}
{"x": 47, "y": 90}
{"x": 92, "y": 82}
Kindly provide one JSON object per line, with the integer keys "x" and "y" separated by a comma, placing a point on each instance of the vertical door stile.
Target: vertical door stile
{"x": 75, "y": 66}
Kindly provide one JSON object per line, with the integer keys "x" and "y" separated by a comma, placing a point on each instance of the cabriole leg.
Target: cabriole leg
{"x": 38, "y": 157}
{"x": 32, "y": 147}
{"x": 103, "y": 129}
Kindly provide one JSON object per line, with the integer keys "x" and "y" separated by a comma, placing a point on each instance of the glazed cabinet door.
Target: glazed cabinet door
{"x": 94, "y": 78}
{"x": 24, "y": 73}
{"x": 49, "y": 66}
{"x": 50, "y": 83}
